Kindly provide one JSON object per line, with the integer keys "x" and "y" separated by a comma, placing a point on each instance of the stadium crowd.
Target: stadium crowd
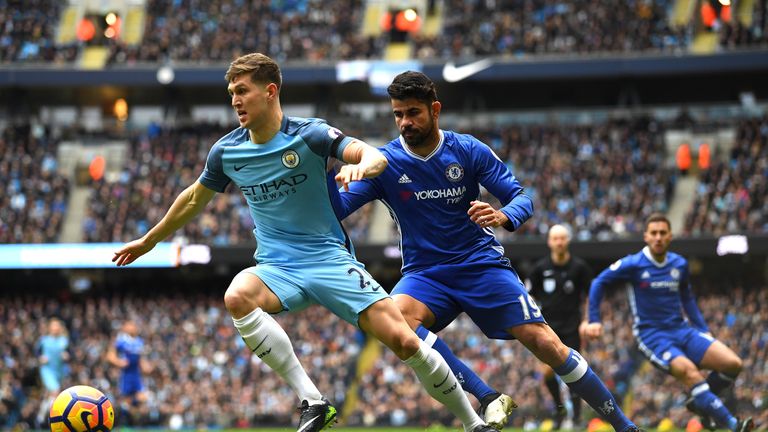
{"x": 483, "y": 28}
{"x": 730, "y": 196}
{"x": 313, "y": 30}
{"x": 33, "y": 194}
{"x": 202, "y": 375}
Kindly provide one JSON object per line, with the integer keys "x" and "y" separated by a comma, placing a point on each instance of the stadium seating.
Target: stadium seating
{"x": 730, "y": 197}
{"x": 33, "y": 194}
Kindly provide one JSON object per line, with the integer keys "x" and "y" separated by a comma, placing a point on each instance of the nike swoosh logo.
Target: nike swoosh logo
{"x": 238, "y": 168}
{"x": 307, "y": 424}
{"x": 257, "y": 346}
{"x": 453, "y": 73}
{"x": 443, "y": 381}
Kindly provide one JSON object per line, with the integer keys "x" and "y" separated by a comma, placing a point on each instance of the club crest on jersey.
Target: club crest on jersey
{"x": 675, "y": 273}
{"x": 454, "y": 172}
{"x": 290, "y": 159}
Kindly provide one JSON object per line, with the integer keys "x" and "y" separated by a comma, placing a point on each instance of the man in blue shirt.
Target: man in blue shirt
{"x": 127, "y": 354}
{"x": 303, "y": 255}
{"x": 53, "y": 355}
{"x": 452, "y": 262}
{"x": 658, "y": 294}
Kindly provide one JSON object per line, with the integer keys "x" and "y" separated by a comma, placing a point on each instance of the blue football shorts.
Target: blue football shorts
{"x": 492, "y": 295}
{"x": 342, "y": 285}
{"x": 130, "y": 384}
{"x": 660, "y": 346}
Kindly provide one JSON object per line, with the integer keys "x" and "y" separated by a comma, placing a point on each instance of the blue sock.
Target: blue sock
{"x": 469, "y": 380}
{"x": 707, "y": 402}
{"x": 580, "y": 378}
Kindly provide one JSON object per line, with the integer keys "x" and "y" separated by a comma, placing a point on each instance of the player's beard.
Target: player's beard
{"x": 418, "y": 139}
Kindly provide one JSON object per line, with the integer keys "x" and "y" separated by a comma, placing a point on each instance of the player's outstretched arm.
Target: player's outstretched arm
{"x": 187, "y": 205}
{"x": 363, "y": 161}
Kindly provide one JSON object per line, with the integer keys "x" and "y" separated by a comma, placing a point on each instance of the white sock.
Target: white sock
{"x": 268, "y": 340}
{"x": 441, "y": 384}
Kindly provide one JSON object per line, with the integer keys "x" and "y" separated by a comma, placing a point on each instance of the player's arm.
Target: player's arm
{"x": 114, "y": 359}
{"x": 689, "y": 303}
{"x": 346, "y": 202}
{"x": 616, "y": 272}
{"x": 501, "y": 183}
{"x": 187, "y": 205}
{"x": 363, "y": 161}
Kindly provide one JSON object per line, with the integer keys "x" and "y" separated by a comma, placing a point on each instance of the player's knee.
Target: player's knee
{"x": 237, "y": 302}
{"x": 405, "y": 345}
{"x": 733, "y": 366}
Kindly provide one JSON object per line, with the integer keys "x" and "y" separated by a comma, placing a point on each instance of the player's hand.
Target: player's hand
{"x": 486, "y": 216}
{"x": 132, "y": 251}
{"x": 594, "y": 330}
{"x": 349, "y": 173}
{"x": 583, "y": 330}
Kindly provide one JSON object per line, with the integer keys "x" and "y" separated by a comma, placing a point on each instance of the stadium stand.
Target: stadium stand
{"x": 33, "y": 194}
{"x": 730, "y": 196}
{"x": 300, "y": 30}
{"x": 27, "y": 33}
{"x": 537, "y": 27}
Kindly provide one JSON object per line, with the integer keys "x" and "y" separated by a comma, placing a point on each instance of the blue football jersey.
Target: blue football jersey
{"x": 284, "y": 183}
{"x": 428, "y": 197}
{"x": 130, "y": 348}
{"x": 658, "y": 292}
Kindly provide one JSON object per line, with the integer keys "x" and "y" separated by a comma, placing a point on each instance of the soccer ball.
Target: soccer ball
{"x": 81, "y": 409}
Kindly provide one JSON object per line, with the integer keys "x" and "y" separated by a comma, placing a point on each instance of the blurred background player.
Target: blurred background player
{"x": 52, "y": 349}
{"x": 559, "y": 283}
{"x": 433, "y": 180}
{"x": 127, "y": 354}
{"x": 659, "y": 293}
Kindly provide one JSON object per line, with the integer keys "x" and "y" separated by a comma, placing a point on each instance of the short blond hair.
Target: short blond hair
{"x": 262, "y": 69}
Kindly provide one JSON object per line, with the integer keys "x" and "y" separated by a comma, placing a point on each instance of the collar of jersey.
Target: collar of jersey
{"x": 647, "y": 253}
{"x": 434, "y": 152}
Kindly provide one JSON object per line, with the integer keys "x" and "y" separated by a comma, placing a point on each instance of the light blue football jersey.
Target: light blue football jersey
{"x": 658, "y": 292}
{"x": 284, "y": 183}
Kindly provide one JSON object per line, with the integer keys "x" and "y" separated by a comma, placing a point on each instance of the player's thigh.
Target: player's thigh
{"x": 344, "y": 287}
{"x": 384, "y": 321}
{"x": 424, "y": 300}
{"x": 50, "y": 379}
{"x": 496, "y": 300}
{"x": 660, "y": 347}
{"x": 269, "y": 287}
{"x": 685, "y": 371}
{"x": 720, "y": 358}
